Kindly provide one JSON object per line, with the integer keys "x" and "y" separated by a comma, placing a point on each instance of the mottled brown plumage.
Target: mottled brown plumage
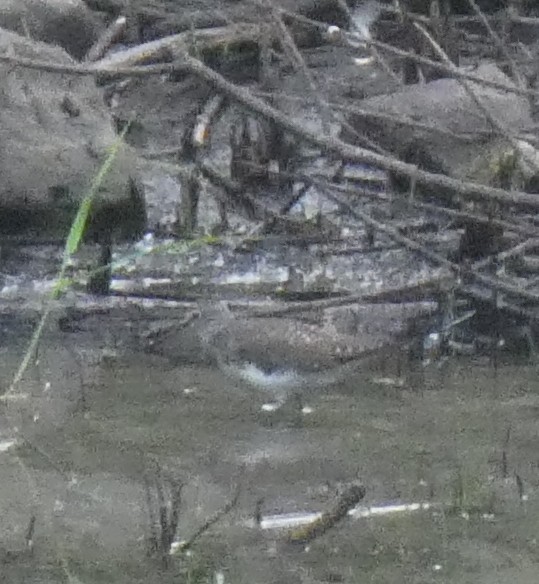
{"x": 288, "y": 355}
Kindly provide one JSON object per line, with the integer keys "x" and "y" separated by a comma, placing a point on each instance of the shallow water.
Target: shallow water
{"x": 93, "y": 427}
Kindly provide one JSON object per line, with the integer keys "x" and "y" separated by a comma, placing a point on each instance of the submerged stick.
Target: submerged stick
{"x": 349, "y": 499}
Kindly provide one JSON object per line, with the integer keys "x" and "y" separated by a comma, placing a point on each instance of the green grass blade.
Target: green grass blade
{"x": 74, "y": 238}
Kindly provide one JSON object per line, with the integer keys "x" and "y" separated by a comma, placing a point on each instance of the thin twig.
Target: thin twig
{"x": 290, "y": 48}
{"x": 500, "y": 45}
{"x": 466, "y": 86}
{"x": 396, "y": 235}
{"x": 519, "y": 249}
{"x": 110, "y": 36}
{"x": 29, "y": 537}
{"x": 499, "y": 129}
{"x": 354, "y": 41}
{"x": 211, "y": 521}
{"x": 154, "y": 538}
{"x": 348, "y": 152}
{"x": 452, "y": 73}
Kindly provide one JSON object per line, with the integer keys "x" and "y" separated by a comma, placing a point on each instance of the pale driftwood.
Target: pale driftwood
{"x": 167, "y": 48}
{"x": 110, "y": 36}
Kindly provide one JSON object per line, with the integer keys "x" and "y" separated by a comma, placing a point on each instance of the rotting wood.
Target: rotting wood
{"x": 347, "y": 501}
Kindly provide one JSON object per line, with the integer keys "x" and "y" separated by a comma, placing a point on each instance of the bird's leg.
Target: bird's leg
{"x": 296, "y": 401}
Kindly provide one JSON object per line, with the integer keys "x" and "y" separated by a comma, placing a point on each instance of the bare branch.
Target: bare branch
{"x": 212, "y": 521}
{"x": 500, "y": 45}
{"x": 353, "y": 153}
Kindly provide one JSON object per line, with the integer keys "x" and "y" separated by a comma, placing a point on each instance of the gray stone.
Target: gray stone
{"x": 66, "y": 23}
{"x": 444, "y": 105}
{"x": 55, "y": 134}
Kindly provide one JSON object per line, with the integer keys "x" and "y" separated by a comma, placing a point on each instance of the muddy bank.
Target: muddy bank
{"x": 446, "y": 446}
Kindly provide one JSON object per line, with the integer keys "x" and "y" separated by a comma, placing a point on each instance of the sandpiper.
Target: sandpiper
{"x": 286, "y": 356}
